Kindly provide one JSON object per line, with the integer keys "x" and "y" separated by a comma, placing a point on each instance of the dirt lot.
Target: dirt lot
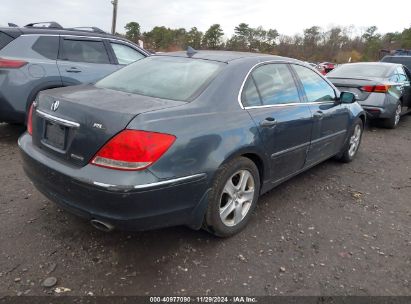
{"x": 334, "y": 230}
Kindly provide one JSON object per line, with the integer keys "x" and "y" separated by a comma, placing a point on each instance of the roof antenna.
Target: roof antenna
{"x": 191, "y": 52}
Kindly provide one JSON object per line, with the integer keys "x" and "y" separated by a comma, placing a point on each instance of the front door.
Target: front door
{"x": 271, "y": 97}
{"x": 330, "y": 119}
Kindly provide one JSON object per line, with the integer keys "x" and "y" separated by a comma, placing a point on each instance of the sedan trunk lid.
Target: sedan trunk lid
{"x": 74, "y": 123}
{"x": 354, "y": 85}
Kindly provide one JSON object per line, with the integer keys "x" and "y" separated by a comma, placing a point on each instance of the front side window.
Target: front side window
{"x": 125, "y": 54}
{"x": 84, "y": 51}
{"x": 273, "y": 83}
{"x": 176, "y": 78}
{"x": 315, "y": 87}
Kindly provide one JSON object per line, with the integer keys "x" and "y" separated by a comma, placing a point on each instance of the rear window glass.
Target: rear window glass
{"x": 360, "y": 70}
{"x": 84, "y": 51}
{"x": 175, "y": 78}
{"x": 4, "y": 40}
{"x": 47, "y": 46}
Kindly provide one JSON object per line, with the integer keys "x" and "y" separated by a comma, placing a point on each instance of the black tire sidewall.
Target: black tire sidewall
{"x": 213, "y": 221}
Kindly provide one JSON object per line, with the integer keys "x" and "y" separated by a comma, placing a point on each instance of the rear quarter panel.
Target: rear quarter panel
{"x": 210, "y": 130}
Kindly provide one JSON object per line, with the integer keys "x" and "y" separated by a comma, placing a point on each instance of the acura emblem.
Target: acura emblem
{"x": 55, "y": 105}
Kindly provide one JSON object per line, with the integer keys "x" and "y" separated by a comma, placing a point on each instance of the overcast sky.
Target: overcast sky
{"x": 287, "y": 16}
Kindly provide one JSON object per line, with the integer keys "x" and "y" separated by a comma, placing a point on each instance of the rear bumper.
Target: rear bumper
{"x": 373, "y": 112}
{"x": 144, "y": 206}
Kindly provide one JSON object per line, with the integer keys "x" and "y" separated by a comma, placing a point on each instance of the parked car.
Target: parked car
{"x": 186, "y": 139}
{"x": 326, "y": 67}
{"x": 404, "y": 60}
{"x": 383, "y": 89}
{"x": 34, "y": 58}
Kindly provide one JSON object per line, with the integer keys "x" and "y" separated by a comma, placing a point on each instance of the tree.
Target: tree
{"x": 373, "y": 43}
{"x": 242, "y": 36}
{"x": 132, "y": 31}
{"x": 212, "y": 37}
{"x": 193, "y": 38}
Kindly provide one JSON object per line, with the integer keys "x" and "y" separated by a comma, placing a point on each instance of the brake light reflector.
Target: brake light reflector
{"x": 381, "y": 88}
{"x": 30, "y": 119}
{"x": 11, "y": 63}
{"x": 133, "y": 150}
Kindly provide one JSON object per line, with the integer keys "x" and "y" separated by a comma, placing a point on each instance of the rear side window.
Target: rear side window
{"x": 250, "y": 96}
{"x": 47, "y": 46}
{"x": 5, "y": 40}
{"x": 315, "y": 87}
{"x": 126, "y": 54}
{"x": 84, "y": 51}
{"x": 275, "y": 84}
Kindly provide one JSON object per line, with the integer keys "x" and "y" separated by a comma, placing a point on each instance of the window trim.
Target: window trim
{"x": 298, "y": 85}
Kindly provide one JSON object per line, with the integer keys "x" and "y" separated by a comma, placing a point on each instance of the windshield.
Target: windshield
{"x": 167, "y": 77}
{"x": 360, "y": 70}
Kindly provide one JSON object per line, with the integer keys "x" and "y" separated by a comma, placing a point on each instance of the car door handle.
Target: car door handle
{"x": 268, "y": 122}
{"x": 73, "y": 70}
{"x": 318, "y": 115}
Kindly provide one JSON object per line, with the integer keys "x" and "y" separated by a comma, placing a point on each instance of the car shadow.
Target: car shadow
{"x": 9, "y": 133}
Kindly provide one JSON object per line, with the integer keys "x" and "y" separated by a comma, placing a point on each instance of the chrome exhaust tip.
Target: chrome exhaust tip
{"x": 102, "y": 226}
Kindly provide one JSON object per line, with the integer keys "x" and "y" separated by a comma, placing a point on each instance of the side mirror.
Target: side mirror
{"x": 347, "y": 97}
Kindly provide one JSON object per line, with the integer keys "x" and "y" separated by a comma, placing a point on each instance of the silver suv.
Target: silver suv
{"x": 44, "y": 56}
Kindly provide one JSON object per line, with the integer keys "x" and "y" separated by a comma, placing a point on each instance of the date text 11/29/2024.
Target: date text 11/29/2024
{"x": 203, "y": 299}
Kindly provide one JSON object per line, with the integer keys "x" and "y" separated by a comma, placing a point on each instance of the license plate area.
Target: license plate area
{"x": 54, "y": 135}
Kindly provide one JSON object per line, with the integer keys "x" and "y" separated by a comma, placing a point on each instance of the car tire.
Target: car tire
{"x": 354, "y": 140}
{"x": 233, "y": 198}
{"x": 392, "y": 122}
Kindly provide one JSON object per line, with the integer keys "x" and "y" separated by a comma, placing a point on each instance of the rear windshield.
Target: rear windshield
{"x": 360, "y": 70}
{"x": 175, "y": 78}
{"x": 5, "y": 40}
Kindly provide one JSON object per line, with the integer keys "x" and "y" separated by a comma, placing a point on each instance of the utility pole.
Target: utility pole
{"x": 113, "y": 25}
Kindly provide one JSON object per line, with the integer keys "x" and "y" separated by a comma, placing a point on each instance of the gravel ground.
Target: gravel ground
{"x": 338, "y": 229}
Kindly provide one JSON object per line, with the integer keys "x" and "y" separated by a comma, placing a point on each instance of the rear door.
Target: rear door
{"x": 330, "y": 119}
{"x": 272, "y": 98}
{"x": 83, "y": 60}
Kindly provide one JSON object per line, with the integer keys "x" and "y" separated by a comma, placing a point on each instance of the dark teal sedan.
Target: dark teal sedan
{"x": 186, "y": 139}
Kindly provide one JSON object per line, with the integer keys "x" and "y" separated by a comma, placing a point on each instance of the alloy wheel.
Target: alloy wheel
{"x": 397, "y": 115}
{"x": 355, "y": 141}
{"x": 236, "y": 198}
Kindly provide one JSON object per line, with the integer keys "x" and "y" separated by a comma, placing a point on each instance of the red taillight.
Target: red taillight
{"x": 30, "y": 120}
{"x": 381, "y": 88}
{"x": 11, "y": 63}
{"x": 133, "y": 150}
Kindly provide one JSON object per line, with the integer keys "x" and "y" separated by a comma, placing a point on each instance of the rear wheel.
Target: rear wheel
{"x": 234, "y": 195}
{"x": 351, "y": 149}
{"x": 392, "y": 122}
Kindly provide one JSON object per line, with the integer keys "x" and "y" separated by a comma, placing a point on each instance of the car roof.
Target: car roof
{"x": 387, "y": 64}
{"x": 226, "y": 56}
{"x": 53, "y": 31}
